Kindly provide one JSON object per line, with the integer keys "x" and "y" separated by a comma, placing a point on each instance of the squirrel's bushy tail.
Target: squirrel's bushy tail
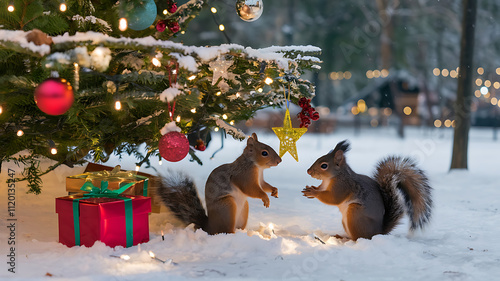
{"x": 400, "y": 178}
{"x": 178, "y": 192}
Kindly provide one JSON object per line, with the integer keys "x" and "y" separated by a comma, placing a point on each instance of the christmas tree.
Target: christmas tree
{"x": 122, "y": 84}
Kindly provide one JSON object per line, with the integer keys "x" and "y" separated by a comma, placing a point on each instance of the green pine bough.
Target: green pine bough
{"x": 214, "y": 86}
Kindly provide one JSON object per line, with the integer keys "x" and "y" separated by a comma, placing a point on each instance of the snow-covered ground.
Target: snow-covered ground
{"x": 461, "y": 243}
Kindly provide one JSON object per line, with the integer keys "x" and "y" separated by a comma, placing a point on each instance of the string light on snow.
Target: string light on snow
{"x": 63, "y": 7}
{"x": 122, "y": 24}
{"x": 137, "y": 167}
{"x": 216, "y": 129}
{"x": 123, "y": 257}
{"x": 153, "y": 256}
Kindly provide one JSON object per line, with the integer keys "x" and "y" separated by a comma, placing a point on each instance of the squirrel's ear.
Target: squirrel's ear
{"x": 251, "y": 140}
{"x": 254, "y": 136}
{"x": 339, "y": 158}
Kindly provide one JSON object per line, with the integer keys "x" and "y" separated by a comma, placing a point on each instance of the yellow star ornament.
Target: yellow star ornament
{"x": 289, "y": 136}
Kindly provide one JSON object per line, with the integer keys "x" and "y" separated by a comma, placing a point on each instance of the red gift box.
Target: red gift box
{"x": 103, "y": 219}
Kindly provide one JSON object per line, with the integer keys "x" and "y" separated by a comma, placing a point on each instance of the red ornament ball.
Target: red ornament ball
{"x": 173, "y": 146}
{"x": 54, "y": 96}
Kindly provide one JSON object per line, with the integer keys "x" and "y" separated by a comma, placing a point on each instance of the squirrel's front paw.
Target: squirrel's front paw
{"x": 266, "y": 201}
{"x": 274, "y": 193}
{"x": 310, "y": 191}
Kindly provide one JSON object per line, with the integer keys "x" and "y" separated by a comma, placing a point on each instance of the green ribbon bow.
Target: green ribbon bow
{"x": 103, "y": 191}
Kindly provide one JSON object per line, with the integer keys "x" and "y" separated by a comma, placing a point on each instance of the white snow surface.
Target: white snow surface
{"x": 459, "y": 244}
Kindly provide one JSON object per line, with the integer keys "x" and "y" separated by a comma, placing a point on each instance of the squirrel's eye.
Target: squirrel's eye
{"x": 324, "y": 166}
{"x": 264, "y": 153}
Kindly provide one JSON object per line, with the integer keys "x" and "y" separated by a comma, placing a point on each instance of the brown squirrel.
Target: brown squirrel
{"x": 372, "y": 206}
{"x": 226, "y": 191}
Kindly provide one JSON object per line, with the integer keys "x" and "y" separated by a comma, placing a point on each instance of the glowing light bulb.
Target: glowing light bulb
{"x": 125, "y": 257}
{"x": 437, "y": 123}
{"x": 123, "y": 24}
{"x": 232, "y": 122}
{"x": 182, "y": 32}
{"x": 151, "y": 254}
{"x": 156, "y": 62}
{"x": 1, "y": 109}
{"x": 137, "y": 168}
{"x": 484, "y": 90}
{"x": 53, "y": 151}
{"x": 118, "y": 105}
{"x": 63, "y": 7}
{"x": 407, "y": 110}
{"x": 160, "y": 162}
{"x": 238, "y": 95}
{"x": 20, "y": 133}
{"x": 224, "y": 116}
{"x": 480, "y": 71}
{"x": 222, "y": 27}
{"x": 216, "y": 129}
{"x": 193, "y": 110}
{"x": 369, "y": 74}
{"x": 178, "y": 119}
{"x": 214, "y": 10}
{"x": 192, "y": 77}
{"x": 10, "y": 8}
{"x": 218, "y": 93}
{"x": 436, "y": 71}
{"x": 260, "y": 90}
{"x": 268, "y": 80}
{"x": 165, "y": 12}
{"x": 447, "y": 123}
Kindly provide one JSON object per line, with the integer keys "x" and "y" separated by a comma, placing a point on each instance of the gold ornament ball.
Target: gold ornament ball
{"x": 249, "y": 10}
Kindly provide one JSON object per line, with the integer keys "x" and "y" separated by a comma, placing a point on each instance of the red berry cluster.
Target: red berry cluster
{"x": 173, "y": 26}
{"x": 200, "y": 145}
{"x": 308, "y": 113}
{"x": 172, "y": 6}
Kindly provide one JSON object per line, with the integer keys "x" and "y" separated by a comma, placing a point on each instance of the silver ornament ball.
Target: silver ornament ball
{"x": 249, "y": 10}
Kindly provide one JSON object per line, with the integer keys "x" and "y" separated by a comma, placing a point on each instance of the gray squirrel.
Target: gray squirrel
{"x": 226, "y": 191}
{"x": 372, "y": 206}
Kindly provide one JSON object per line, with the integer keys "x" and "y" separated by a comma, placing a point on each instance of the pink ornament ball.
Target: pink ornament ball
{"x": 173, "y": 146}
{"x": 54, "y": 96}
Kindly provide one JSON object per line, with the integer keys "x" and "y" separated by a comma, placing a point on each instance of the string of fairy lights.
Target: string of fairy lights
{"x": 486, "y": 92}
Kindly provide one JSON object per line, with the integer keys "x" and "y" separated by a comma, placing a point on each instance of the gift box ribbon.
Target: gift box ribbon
{"x": 114, "y": 176}
{"x": 103, "y": 191}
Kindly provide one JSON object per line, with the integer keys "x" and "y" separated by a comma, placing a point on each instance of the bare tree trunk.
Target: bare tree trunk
{"x": 464, "y": 91}
{"x": 386, "y": 33}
